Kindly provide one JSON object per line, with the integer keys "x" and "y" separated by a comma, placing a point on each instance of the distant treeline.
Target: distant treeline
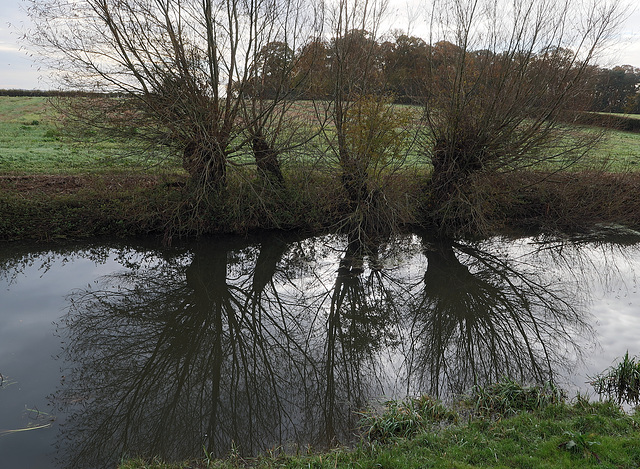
{"x": 617, "y": 90}
{"x": 399, "y": 67}
{"x": 399, "y": 70}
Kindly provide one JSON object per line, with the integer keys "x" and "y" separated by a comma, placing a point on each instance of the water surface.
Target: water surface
{"x": 112, "y": 349}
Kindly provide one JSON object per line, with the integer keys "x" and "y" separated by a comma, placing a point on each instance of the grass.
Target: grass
{"x": 552, "y": 433}
{"x": 621, "y": 149}
{"x": 404, "y": 419}
{"x": 32, "y": 143}
{"x": 51, "y": 188}
{"x": 620, "y": 382}
{"x": 507, "y": 397}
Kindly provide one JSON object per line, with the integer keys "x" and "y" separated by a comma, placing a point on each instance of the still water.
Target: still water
{"x": 125, "y": 349}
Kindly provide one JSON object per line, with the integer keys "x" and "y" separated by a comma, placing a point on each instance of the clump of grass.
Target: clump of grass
{"x": 620, "y": 382}
{"x": 404, "y": 419}
{"x": 580, "y": 444}
{"x": 508, "y": 397}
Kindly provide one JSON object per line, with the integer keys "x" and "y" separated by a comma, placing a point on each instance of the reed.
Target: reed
{"x": 620, "y": 382}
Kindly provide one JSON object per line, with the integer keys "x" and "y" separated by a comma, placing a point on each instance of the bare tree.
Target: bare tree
{"x": 182, "y": 70}
{"x": 365, "y": 134}
{"x": 501, "y": 78}
{"x": 272, "y": 125}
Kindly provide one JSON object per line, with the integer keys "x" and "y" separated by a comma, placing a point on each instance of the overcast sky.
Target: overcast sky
{"x": 18, "y": 70}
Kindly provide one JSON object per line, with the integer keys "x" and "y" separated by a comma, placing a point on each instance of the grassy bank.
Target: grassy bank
{"x": 51, "y": 207}
{"x": 51, "y": 188}
{"x": 46, "y": 207}
{"x": 506, "y": 425}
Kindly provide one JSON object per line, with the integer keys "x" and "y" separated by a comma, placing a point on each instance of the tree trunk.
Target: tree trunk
{"x": 206, "y": 167}
{"x": 266, "y": 159}
{"x": 354, "y": 176}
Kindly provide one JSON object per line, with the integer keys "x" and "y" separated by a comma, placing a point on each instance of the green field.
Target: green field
{"x": 622, "y": 149}
{"x": 32, "y": 142}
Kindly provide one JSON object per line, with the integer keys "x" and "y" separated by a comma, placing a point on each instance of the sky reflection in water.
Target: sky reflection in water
{"x": 258, "y": 344}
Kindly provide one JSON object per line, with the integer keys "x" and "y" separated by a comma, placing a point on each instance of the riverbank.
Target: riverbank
{"x": 124, "y": 204}
{"x": 536, "y": 431}
{"x": 48, "y": 207}
{"x": 54, "y": 188}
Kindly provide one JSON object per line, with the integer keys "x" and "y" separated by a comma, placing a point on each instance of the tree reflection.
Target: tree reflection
{"x": 183, "y": 354}
{"x": 257, "y": 345}
{"x": 217, "y": 348}
{"x": 360, "y": 332}
{"x": 480, "y": 316}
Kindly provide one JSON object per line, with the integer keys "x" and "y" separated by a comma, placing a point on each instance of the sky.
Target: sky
{"x": 19, "y": 70}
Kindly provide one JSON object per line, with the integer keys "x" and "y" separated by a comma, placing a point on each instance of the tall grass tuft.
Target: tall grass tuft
{"x": 620, "y": 382}
{"x": 404, "y": 419}
{"x": 507, "y": 397}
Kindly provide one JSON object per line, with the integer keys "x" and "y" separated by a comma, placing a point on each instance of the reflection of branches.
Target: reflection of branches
{"x": 481, "y": 316}
{"x": 260, "y": 345}
{"x": 361, "y": 319}
{"x": 16, "y": 259}
{"x": 595, "y": 257}
{"x": 171, "y": 357}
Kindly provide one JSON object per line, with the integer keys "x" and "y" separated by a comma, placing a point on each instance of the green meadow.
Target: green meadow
{"x": 32, "y": 141}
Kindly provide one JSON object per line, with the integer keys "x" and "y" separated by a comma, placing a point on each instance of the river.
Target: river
{"x": 112, "y": 349}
